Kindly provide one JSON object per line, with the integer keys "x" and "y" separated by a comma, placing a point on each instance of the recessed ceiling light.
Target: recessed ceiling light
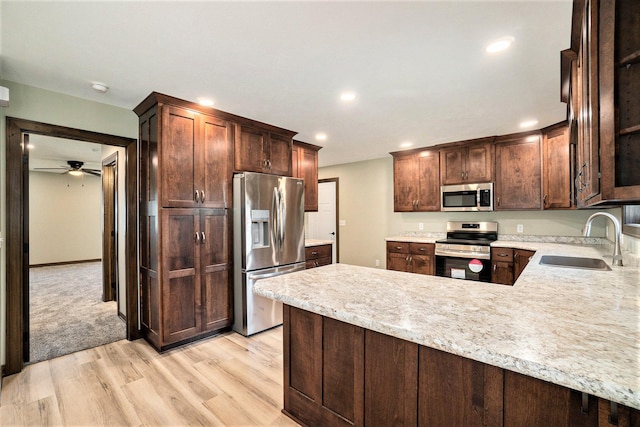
{"x": 528, "y": 123}
{"x": 206, "y": 102}
{"x": 499, "y": 45}
{"x": 99, "y": 87}
{"x": 347, "y": 96}
{"x": 321, "y": 136}
{"x": 406, "y": 144}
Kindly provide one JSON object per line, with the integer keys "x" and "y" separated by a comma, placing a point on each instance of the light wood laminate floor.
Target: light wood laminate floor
{"x": 228, "y": 380}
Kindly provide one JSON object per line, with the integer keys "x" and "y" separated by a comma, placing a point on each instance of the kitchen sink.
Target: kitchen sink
{"x": 574, "y": 262}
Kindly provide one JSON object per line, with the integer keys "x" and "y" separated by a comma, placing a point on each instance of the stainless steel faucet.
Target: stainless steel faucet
{"x": 617, "y": 253}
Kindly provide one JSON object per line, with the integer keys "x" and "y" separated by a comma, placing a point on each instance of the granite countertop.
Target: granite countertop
{"x": 576, "y": 328}
{"x": 317, "y": 242}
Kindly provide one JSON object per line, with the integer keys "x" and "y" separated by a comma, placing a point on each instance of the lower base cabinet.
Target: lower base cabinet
{"x": 337, "y": 374}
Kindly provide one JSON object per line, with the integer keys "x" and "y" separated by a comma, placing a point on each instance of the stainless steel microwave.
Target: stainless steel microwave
{"x": 467, "y": 197}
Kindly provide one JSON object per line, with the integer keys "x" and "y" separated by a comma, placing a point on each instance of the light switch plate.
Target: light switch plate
{"x": 420, "y": 226}
{"x": 342, "y": 223}
{"x": 520, "y": 228}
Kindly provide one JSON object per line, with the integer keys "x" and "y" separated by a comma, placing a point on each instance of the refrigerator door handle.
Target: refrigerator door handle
{"x": 283, "y": 219}
{"x": 275, "y": 229}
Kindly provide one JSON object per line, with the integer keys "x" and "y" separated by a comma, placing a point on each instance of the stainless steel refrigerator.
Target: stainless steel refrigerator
{"x": 268, "y": 240}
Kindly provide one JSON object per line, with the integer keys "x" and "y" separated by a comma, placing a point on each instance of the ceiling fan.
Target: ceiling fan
{"x": 74, "y": 168}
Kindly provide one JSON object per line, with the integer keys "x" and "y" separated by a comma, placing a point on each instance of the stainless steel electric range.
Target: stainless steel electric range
{"x": 466, "y": 252}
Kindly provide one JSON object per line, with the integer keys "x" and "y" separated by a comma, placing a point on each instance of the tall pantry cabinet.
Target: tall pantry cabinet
{"x": 186, "y": 156}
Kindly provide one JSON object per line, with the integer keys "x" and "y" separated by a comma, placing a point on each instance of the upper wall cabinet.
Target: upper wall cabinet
{"x": 604, "y": 102}
{"x": 415, "y": 181}
{"x": 518, "y": 182}
{"x": 557, "y": 161}
{"x": 261, "y": 150}
{"x": 304, "y": 164}
{"x": 470, "y": 162}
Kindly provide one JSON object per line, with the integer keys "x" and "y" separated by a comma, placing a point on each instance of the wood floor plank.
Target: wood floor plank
{"x": 227, "y": 380}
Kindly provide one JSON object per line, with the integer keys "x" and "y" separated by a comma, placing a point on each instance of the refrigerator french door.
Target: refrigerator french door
{"x": 268, "y": 231}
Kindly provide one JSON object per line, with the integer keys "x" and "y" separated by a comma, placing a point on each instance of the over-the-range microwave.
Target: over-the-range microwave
{"x": 467, "y": 197}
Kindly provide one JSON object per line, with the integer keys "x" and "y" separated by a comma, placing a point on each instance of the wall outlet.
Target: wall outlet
{"x": 420, "y": 226}
{"x": 520, "y": 228}
{"x": 377, "y": 263}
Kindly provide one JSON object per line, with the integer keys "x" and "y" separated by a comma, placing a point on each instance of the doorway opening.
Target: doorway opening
{"x": 17, "y": 301}
{"x": 323, "y": 224}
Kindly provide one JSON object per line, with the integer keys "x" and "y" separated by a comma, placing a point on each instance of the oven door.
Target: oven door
{"x": 464, "y": 268}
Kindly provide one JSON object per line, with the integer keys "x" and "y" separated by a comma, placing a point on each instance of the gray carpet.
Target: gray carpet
{"x": 67, "y": 313}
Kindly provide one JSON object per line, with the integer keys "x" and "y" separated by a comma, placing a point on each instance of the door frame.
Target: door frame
{"x": 337, "y": 244}
{"x": 18, "y": 223}
{"x": 110, "y": 271}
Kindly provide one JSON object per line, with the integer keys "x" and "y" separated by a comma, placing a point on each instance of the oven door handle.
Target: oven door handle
{"x": 469, "y": 255}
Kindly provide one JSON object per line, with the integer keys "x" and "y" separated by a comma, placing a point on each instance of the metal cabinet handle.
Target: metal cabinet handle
{"x": 201, "y": 196}
{"x": 544, "y": 200}
{"x": 398, "y": 247}
{"x": 197, "y": 196}
{"x": 317, "y": 264}
{"x": 498, "y": 201}
{"x": 197, "y": 237}
{"x": 494, "y": 267}
{"x": 462, "y": 175}
{"x": 503, "y": 255}
{"x": 466, "y": 175}
{"x": 422, "y": 249}
{"x": 314, "y": 253}
{"x": 581, "y": 185}
{"x": 204, "y": 238}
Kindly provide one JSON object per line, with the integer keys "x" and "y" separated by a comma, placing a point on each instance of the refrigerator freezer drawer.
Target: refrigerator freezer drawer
{"x": 254, "y": 313}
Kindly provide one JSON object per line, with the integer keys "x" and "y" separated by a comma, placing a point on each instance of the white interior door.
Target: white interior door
{"x": 322, "y": 224}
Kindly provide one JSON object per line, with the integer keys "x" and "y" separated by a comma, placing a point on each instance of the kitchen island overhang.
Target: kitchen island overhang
{"x": 572, "y": 328}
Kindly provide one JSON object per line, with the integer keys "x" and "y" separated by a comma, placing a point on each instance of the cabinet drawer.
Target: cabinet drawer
{"x": 502, "y": 254}
{"x": 398, "y": 247}
{"x": 422, "y": 248}
{"x": 313, "y": 263}
{"x": 315, "y": 252}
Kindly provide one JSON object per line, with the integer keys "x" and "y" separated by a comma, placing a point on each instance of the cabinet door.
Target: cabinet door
{"x": 390, "y": 380}
{"x": 215, "y": 267}
{"x": 518, "y": 174}
{"x": 213, "y": 160}
{"x": 502, "y": 272}
{"x": 179, "y": 134}
{"x": 557, "y": 169}
{"x": 521, "y": 258}
{"x": 398, "y": 262}
{"x": 180, "y": 281}
{"x": 405, "y": 188}
{"x": 249, "y": 149}
{"x": 423, "y": 264}
{"x": 279, "y": 156}
{"x": 532, "y": 402}
{"x": 455, "y": 391}
{"x": 452, "y": 165}
{"x": 479, "y": 165}
{"x": 428, "y": 181}
{"x": 304, "y": 162}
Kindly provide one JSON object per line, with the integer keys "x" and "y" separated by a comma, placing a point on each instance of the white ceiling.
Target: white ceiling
{"x": 419, "y": 68}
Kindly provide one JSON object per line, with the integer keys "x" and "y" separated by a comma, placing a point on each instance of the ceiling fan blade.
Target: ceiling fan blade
{"x": 91, "y": 172}
{"x": 51, "y": 169}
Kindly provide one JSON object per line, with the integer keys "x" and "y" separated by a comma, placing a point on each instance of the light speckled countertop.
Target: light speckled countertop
{"x": 317, "y": 242}
{"x": 575, "y": 328}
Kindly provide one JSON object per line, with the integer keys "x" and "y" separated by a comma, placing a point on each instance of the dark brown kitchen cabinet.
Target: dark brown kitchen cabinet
{"x": 411, "y": 257}
{"x": 558, "y": 163}
{"x": 194, "y": 279}
{"x": 304, "y": 158}
{"x": 261, "y": 150}
{"x": 603, "y": 100}
{"x": 317, "y": 256}
{"x": 518, "y": 184}
{"x": 338, "y": 374}
{"x": 468, "y": 163}
{"x": 502, "y": 266}
{"x": 194, "y": 157}
{"x": 416, "y": 185}
{"x": 521, "y": 258}
{"x": 185, "y": 160}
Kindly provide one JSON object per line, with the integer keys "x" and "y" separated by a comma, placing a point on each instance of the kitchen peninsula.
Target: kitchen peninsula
{"x": 560, "y": 347}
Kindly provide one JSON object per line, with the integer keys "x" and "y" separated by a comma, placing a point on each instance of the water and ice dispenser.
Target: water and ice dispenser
{"x": 260, "y": 228}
